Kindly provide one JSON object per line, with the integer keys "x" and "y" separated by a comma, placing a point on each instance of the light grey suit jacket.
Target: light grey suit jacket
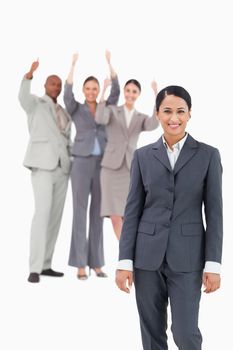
{"x": 47, "y": 144}
{"x": 163, "y": 215}
{"x": 122, "y": 141}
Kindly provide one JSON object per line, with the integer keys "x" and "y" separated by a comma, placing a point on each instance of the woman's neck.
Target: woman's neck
{"x": 129, "y": 106}
{"x": 173, "y": 139}
{"x": 92, "y": 106}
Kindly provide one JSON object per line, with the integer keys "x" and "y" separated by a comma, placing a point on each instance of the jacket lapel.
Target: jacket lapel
{"x": 89, "y": 114}
{"x": 187, "y": 152}
{"x": 133, "y": 122}
{"x": 50, "y": 107}
{"x": 52, "y": 121}
{"x": 121, "y": 117}
{"x": 160, "y": 153}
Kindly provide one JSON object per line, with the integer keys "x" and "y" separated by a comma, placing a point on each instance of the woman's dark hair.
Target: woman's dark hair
{"x": 91, "y": 78}
{"x": 135, "y": 82}
{"x": 175, "y": 90}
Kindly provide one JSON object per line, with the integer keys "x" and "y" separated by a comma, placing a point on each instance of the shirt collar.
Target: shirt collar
{"x": 49, "y": 99}
{"x": 128, "y": 111}
{"x": 178, "y": 146}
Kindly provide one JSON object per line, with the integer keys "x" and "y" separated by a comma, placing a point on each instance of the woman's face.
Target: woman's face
{"x": 173, "y": 115}
{"x": 131, "y": 93}
{"x": 91, "y": 91}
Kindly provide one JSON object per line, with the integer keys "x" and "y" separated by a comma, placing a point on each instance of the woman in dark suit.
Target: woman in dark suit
{"x": 165, "y": 239}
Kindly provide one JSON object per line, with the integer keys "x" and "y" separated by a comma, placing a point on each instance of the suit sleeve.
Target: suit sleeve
{"x": 103, "y": 114}
{"x": 150, "y": 123}
{"x": 133, "y": 211}
{"x": 26, "y": 99}
{"x": 213, "y": 209}
{"x": 114, "y": 93}
{"x": 69, "y": 100}
{"x": 68, "y": 133}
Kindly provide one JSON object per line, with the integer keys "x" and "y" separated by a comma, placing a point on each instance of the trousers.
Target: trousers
{"x": 153, "y": 291}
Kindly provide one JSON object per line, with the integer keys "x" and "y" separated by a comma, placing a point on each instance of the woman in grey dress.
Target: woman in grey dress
{"x": 123, "y": 126}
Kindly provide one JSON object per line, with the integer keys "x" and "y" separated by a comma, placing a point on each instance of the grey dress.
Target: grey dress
{"x": 122, "y": 141}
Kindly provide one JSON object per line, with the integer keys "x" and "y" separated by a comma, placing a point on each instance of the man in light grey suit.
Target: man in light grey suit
{"x": 48, "y": 158}
{"x": 164, "y": 238}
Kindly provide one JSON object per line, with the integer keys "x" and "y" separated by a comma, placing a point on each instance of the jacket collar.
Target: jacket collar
{"x": 187, "y": 152}
{"x": 52, "y": 121}
{"x": 48, "y": 99}
{"x": 133, "y": 122}
{"x": 122, "y": 120}
{"x": 89, "y": 114}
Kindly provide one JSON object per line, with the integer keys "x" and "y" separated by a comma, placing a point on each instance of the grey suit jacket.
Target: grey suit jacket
{"x": 47, "y": 144}
{"x": 122, "y": 141}
{"x": 163, "y": 215}
{"x": 86, "y": 127}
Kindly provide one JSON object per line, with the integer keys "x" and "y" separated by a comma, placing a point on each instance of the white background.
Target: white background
{"x": 186, "y": 43}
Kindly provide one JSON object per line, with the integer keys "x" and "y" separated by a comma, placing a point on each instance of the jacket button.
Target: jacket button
{"x": 167, "y": 225}
{"x": 170, "y": 189}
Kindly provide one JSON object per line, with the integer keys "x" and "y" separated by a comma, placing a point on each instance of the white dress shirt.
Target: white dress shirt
{"x": 128, "y": 115}
{"x": 173, "y": 154}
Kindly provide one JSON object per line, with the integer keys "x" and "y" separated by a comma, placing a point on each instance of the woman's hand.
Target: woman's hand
{"x": 108, "y": 56}
{"x": 124, "y": 280}
{"x": 108, "y": 59}
{"x": 70, "y": 77}
{"x": 154, "y": 87}
{"x": 107, "y": 83}
{"x": 74, "y": 58}
{"x": 211, "y": 282}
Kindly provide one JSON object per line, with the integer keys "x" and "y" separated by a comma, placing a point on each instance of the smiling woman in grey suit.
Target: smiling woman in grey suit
{"x": 87, "y": 151}
{"x": 164, "y": 238}
{"x": 123, "y": 125}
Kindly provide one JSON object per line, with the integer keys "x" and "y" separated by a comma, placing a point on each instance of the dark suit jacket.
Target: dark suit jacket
{"x": 86, "y": 127}
{"x": 164, "y": 216}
